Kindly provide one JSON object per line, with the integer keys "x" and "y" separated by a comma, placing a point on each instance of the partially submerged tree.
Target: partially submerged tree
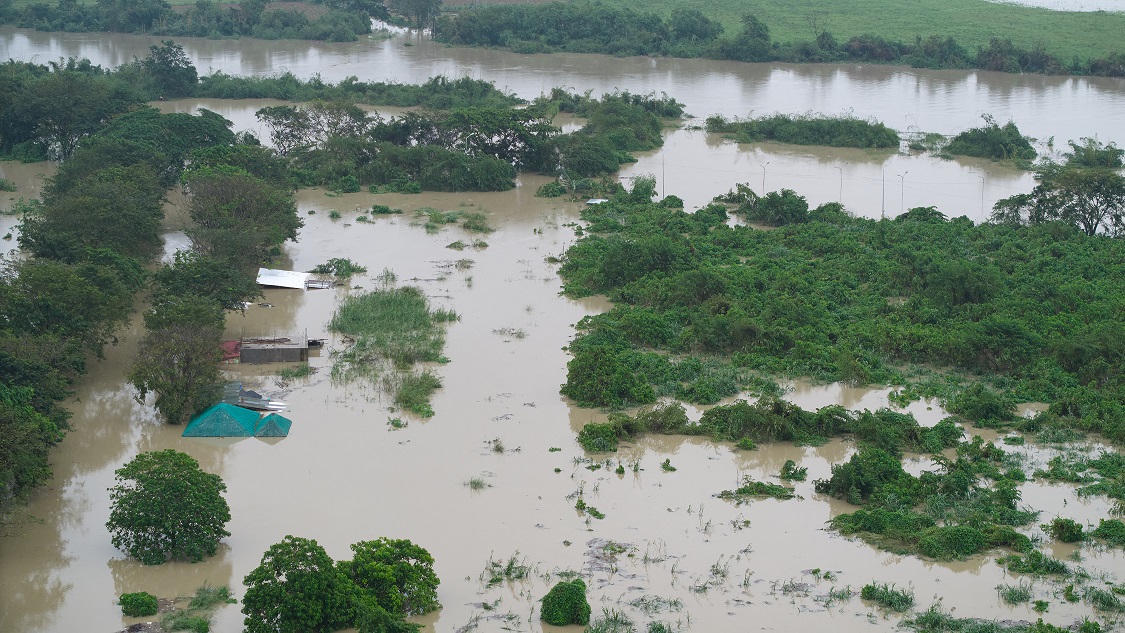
{"x": 178, "y": 359}
{"x": 1087, "y": 191}
{"x": 398, "y": 574}
{"x": 164, "y": 507}
{"x": 298, "y": 587}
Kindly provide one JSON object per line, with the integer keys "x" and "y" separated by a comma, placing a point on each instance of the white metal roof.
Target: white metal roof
{"x": 282, "y": 278}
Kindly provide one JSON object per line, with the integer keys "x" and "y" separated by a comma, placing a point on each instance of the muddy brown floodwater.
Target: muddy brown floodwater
{"x": 345, "y": 474}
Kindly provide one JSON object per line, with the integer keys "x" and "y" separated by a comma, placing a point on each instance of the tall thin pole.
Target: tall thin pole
{"x": 883, "y": 202}
{"x": 902, "y": 191}
{"x": 764, "y": 178}
{"x": 840, "y": 196}
{"x": 982, "y": 194}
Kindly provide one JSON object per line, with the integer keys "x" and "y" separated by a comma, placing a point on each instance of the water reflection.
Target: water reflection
{"x": 941, "y": 100}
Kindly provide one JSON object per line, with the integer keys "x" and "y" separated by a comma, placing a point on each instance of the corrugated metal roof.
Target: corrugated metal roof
{"x": 282, "y": 278}
{"x": 273, "y": 425}
{"x": 223, "y": 420}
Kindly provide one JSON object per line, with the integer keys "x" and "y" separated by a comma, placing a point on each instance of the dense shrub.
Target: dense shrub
{"x": 566, "y": 604}
{"x": 807, "y": 129}
{"x": 992, "y": 141}
{"x": 135, "y": 605}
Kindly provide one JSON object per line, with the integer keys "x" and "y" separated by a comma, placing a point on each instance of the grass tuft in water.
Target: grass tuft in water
{"x": 512, "y": 570}
{"x": 296, "y": 371}
{"x": 887, "y": 596}
{"x": 1014, "y": 594}
{"x": 208, "y": 596}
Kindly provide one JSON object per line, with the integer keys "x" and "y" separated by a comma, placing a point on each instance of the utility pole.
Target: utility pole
{"x": 883, "y": 202}
{"x": 764, "y": 178}
{"x": 902, "y": 191}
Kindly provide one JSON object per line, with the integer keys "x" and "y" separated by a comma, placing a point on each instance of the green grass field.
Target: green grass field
{"x": 970, "y": 22}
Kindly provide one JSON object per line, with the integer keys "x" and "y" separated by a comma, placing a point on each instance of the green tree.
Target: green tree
{"x": 421, "y": 12}
{"x": 178, "y": 359}
{"x": 215, "y": 279}
{"x": 85, "y": 302}
{"x": 779, "y": 209}
{"x": 297, "y": 588}
{"x": 164, "y": 507}
{"x": 1087, "y": 190}
{"x": 117, "y": 208}
{"x": 239, "y": 218}
{"x": 398, "y": 574}
{"x": 170, "y": 70}
{"x": 25, "y": 438}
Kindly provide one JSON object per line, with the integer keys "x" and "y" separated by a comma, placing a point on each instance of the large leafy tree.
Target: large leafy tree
{"x": 421, "y": 12}
{"x": 1087, "y": 190}
{"x": 25, "y": 437}
{"x": 170, "y": 70}
{"x": 297, "y": 588}
{"x": 164, "y": 507}
{"x": 240, "y": 218}
{"x": 398, "y": 574}
{"x": 178, "y": 359}
{"x": 117, "y": 208}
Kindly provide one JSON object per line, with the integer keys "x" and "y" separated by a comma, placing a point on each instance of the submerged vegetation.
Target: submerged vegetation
{"x": 808, "y": 129}
{"x": 860, "y": 301}
{"x": 1030, "y": 308}
{"x": 391, "y": 331}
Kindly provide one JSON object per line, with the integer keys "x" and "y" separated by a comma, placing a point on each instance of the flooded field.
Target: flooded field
{"x": 667, "y": 550}
{"x": 346, "y": 474}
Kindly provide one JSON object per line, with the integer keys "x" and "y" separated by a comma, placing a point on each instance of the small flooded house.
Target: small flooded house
{"x": 274, "y": 349}
{"x": 223, "y": 420}
{"x": 273, "y": 425}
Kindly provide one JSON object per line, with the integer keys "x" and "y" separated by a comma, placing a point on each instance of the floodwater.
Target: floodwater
{"x": 1051, "y": 109}
{"x": 345, "y": 474}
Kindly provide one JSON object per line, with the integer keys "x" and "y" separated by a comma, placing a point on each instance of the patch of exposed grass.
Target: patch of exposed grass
{"x": 1064, "y": 34}
{"x": 790, "y": 472}
{"x": 395, "y": 327}
{"x": 750, "y": 489}
{"x": 513, "y": 569}
{"x": 413, "y": 392}
{"x": 296, "y": 371}
{"x": 1034, "y": 563}
{"x": 1014, "y": 594}
{"x": 476, "y": 222}
{"x": 887, "y": 596}
{"x": 395, "y": 324}
{"x": 208, "y": 596}
{"x": 341, "y": 267}
{"x": 1103, "y": 600}
{"x": 186, "y": 621}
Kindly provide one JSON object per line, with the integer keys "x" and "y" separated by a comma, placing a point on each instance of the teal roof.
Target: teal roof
{"x": 223, "y": 420}
{"x": 273, "y": 425}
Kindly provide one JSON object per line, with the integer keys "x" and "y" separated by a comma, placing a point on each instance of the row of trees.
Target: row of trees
{"x": 89, "y": 240}
{"x": 594, "y": 28}
{"x": 338, "y": 21}
{"x": 86, "y": 244}
{"x": 467, "y": 148}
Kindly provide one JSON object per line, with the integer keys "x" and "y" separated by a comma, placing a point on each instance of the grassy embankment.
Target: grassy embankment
{"x": 970, "y": 22}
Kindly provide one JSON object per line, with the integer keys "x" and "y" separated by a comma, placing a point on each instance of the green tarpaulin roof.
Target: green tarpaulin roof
{"x": 223, "y": 420}
{"x": 273, "y": 425}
